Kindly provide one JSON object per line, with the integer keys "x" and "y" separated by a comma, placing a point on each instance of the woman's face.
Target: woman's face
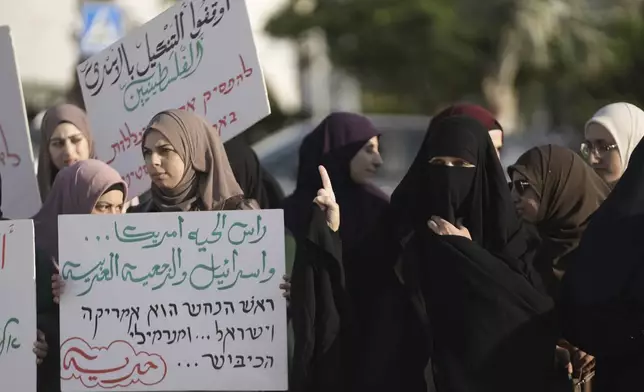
{"x": 110, "y": 202}
{"x": 602, "y": 153}
{"x": 67, "y": 146}
{"x": 165, "y": 166}
{"x": 526, "y": 200}
{"x": 366, "y": 162}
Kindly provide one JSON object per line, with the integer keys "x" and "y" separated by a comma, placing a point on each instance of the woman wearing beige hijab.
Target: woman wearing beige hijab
{"x": 611, "y": 136}
{"x": 66, "y": 138}
{"x": 188, "y": 167}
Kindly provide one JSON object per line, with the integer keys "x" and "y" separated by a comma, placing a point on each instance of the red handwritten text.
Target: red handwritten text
{"x": 220, "y": 124}
{"x": 95, "y": 366}
{"x": 127, "y": 140}
{"x": 225, "y": 88}
{"x": 139, "y": 173}
{"x": 4, "y": 248}
{"x": 225, "y": 121}
{"x": 5, "y": 153}
{"x": 4, "y": 245}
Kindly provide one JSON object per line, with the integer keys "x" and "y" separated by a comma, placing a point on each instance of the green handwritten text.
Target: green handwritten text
{"x": 237, "y": 234}
{"x": 140, "y": 91}
{"x": 9, "y": 342}
{"x": 201, "y": 277}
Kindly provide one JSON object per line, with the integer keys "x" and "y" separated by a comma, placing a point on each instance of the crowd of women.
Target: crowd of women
{"x": 458, "y": 282}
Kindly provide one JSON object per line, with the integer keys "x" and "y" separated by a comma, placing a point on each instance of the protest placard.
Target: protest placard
{"x": 198, "y": 56}
{"x": 173, "y": 301}
{"x": 18, "y": 306}
{"x": 20, "y": 194}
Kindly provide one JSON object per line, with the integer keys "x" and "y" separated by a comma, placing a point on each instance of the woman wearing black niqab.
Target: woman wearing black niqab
{"x": 603, "y": 289}
{"x": 488, "y": 319}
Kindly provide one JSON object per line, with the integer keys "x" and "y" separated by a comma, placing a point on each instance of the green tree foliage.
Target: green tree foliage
{"x": 401, "y": 49}
{"x": 415, "y": 55}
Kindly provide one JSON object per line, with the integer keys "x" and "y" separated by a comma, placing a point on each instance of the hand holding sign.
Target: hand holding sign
{"x": 326, "y": 201}
{"x": 57, "y": 283}
{"x": 286, "y": 287}
{"x": 40, "y": 347}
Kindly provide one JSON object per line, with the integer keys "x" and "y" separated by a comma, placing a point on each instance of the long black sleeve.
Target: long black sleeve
{"x": 48, "y": 320}
{"x": 318, "y": 309}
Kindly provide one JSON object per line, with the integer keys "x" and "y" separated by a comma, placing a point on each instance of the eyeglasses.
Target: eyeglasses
{"x": 588, "y": 148}
{"x": 520, "y": 185}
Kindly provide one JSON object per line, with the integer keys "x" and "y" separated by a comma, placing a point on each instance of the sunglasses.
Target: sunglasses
{"x": 520, "y": 185}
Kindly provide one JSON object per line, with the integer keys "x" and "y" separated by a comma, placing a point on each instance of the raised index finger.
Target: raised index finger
{"x": 326, "y": 181}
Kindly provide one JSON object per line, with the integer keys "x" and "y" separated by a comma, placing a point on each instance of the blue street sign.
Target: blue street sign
{"x": 103, "y": 25}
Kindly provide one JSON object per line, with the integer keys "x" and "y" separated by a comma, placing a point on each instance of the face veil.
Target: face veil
{"x": 478, "y": 196}
{"x": 446, "y": 190}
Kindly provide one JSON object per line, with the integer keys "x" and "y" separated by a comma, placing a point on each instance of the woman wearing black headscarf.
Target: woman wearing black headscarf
{"x": 602, "y": 293}
{"x": 274, "y": 193}
{"x": 256, "y": 182}
{"x": 245, "y": 165}
{"x": 347, "y": 145}
{"x": 464, "y": 259}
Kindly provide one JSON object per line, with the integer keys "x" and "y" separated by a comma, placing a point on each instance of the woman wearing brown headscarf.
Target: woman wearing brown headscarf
{"x": 557, "y": 191}
{"x": 188, "y": 166}
{"x": 553, "y": 188}
{"x": 66, "y": 138}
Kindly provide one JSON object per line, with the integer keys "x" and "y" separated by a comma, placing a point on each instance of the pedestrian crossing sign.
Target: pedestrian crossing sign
{"x": 102, "y": 26}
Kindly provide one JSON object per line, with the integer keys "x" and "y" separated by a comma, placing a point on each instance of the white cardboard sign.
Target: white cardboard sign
{"x": 18, "y": 306}
{"x": 20, "y": 194}
{"x": 173, "y": 302}
{"x": 198, "y": 56}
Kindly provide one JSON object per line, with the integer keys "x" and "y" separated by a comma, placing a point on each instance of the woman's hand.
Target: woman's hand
{"x": 57, "y": 282}
{"x": 40, "y": 348}
{"x": 57, "y": 287}
{"x": 582, "y": 363}
{"x": 442, "y": 227}
{"x": 326, "y": 201}
{"x": 286, "y": 287}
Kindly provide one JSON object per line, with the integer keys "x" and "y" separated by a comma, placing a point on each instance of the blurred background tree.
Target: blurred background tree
{"x": 567, "y": 57}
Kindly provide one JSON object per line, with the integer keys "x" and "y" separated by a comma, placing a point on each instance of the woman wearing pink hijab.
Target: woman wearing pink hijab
{"x": 86, "y": 187}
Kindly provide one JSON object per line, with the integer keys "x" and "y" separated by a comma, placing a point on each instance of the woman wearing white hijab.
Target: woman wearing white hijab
{"x": 611, "y": 136}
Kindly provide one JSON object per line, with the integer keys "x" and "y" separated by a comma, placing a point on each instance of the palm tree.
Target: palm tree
{"x": 572, "y": 31}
